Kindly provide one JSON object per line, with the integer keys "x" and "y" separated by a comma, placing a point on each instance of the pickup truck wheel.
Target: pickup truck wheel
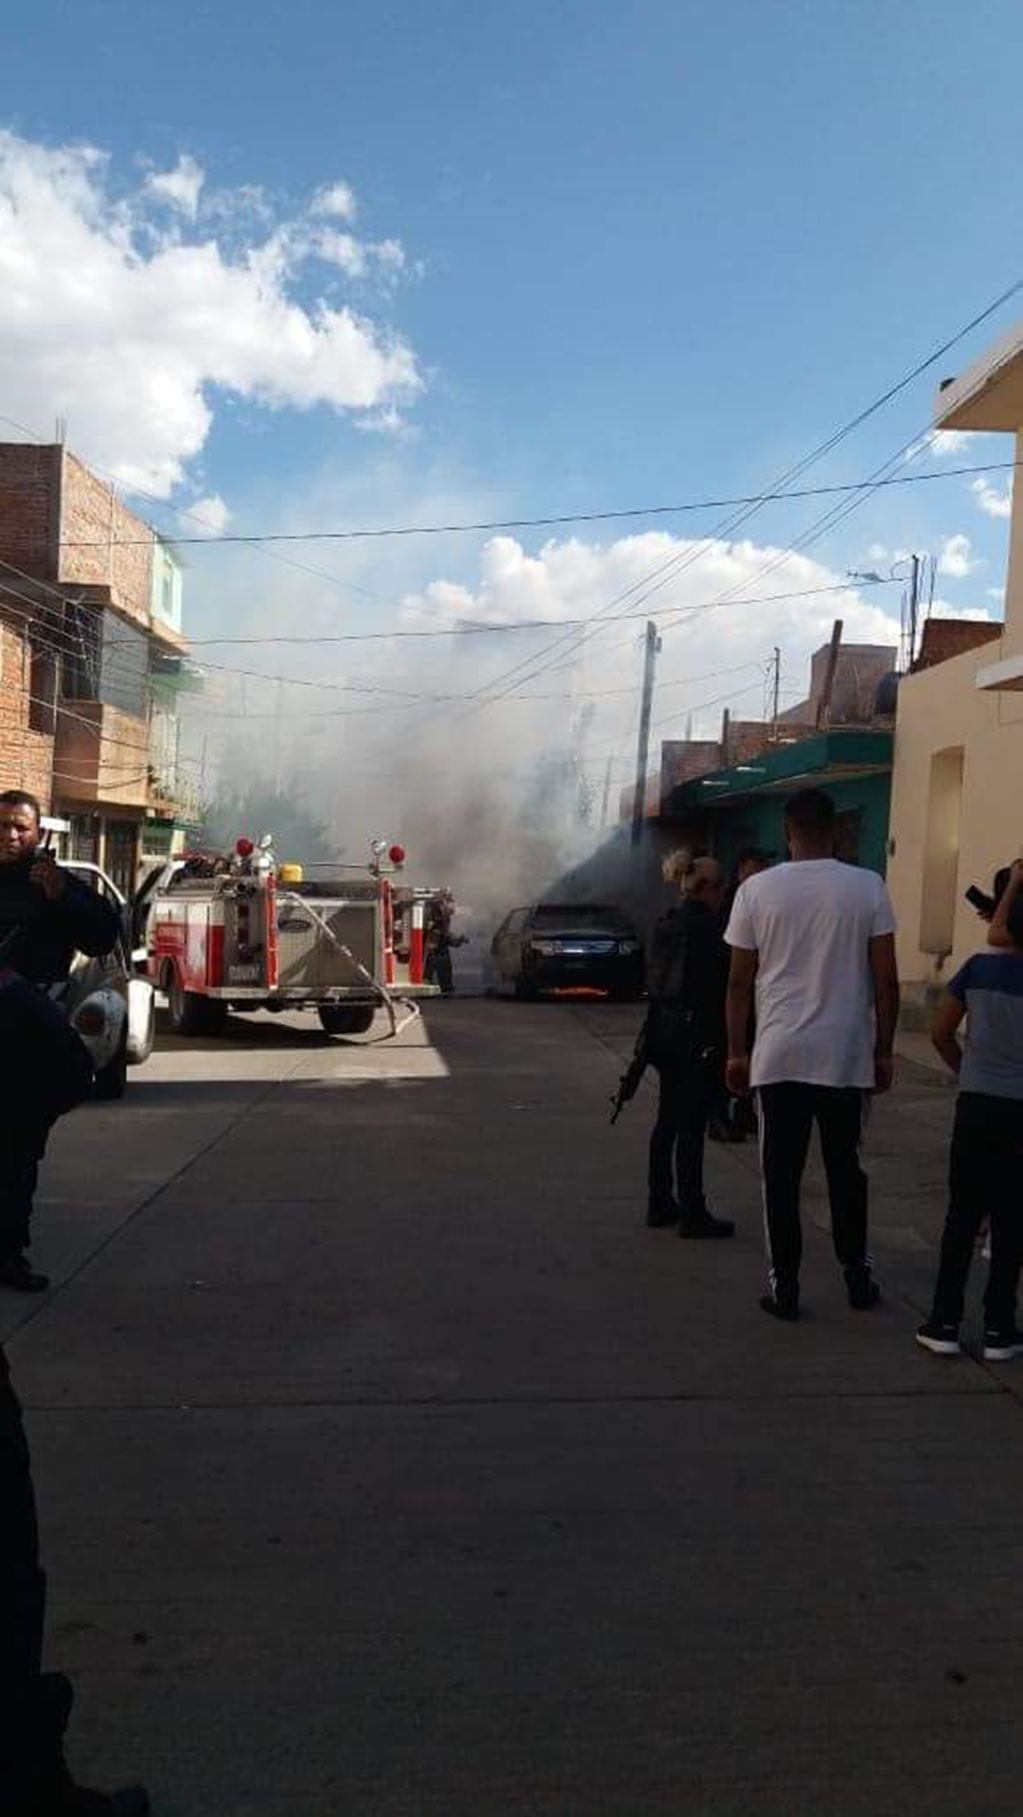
{"x": 347, "y": 1019}
{"x": 191, "y": 1014}
{"x": 112, "y": 1081}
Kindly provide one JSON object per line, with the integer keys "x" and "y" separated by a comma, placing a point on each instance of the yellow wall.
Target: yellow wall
{"x": 941, "y": 710}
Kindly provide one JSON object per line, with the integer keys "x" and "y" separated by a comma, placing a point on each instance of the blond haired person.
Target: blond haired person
{"x": 686, "y": 981}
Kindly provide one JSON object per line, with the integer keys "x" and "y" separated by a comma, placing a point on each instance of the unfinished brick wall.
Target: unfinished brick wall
{"x": 103, "y": 544}
{"x": 29, "y": 507}
{"x": 26, "y": 757}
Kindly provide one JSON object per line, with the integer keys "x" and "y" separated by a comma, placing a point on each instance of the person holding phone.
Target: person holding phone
{"x": 46, "y": 917}
{"x": 987, "y": 1139}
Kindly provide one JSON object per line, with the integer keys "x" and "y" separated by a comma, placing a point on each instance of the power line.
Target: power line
{"x": 680, "y": 563}
{"x": 686, "y": 506}
{"x": 435, "y": 699}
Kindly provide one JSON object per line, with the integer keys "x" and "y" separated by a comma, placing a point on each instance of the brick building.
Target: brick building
{"x": 26, "y": 676}
{"x": 88, "y": 639}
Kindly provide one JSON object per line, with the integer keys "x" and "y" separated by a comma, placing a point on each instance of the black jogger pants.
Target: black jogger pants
{"x": 788, "y": 1113}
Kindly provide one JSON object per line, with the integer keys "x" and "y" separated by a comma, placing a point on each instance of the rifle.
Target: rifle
{"x": 629, "y": 1083}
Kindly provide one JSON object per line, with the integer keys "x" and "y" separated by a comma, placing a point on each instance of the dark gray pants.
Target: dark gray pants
{"x": 985, "y": 1169}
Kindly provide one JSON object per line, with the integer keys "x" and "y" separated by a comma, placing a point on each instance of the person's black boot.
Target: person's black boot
{"x": 661, "y": 1213}
{"x": 702, "y": 1224}
{"x": 862, "y": 1289}
{"x": 17, "y": 1272}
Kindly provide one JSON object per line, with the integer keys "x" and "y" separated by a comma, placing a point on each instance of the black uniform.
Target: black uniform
{"x": 687, "y": 975}
{"x": 38, "y": 942}
{"x": 45, "y": 1070}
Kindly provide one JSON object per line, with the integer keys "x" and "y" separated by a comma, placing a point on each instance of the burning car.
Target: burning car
{"x": 569, "y": 946}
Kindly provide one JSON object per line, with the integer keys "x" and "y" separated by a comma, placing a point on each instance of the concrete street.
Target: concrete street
{"x": 389, "y": 1465}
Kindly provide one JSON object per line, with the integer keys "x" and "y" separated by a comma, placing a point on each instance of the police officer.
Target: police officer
{"x": 46, "y": 916}
{"x": 45, "y": 1070}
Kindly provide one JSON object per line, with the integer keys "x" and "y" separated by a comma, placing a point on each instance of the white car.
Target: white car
{"x": 113, "y": 1011}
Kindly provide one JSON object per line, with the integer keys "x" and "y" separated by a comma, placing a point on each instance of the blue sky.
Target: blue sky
{"x": 650, "y": 252}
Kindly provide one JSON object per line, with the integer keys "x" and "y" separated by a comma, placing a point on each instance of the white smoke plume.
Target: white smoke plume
{"x": 498, "y": 754}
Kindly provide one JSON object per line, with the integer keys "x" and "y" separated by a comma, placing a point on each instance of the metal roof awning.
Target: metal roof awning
{"x": 805, "y": 763}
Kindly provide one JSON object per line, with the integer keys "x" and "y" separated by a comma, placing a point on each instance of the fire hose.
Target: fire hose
{"x": 388, "y": 998}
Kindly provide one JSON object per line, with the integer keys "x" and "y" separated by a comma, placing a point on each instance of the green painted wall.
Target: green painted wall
{"x": 759, "y": 821}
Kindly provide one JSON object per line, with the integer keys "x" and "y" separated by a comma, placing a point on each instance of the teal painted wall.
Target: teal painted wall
{"x": 760, "y": 821}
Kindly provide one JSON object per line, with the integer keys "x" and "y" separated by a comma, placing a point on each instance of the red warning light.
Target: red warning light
{"x": 244, "y": 848}
{"x": 397, "y": 854}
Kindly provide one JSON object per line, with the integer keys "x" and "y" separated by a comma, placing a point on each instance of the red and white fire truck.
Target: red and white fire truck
{"x": 242, "y": 933}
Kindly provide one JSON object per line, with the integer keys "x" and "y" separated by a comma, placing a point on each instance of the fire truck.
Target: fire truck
{"x": 241, "y": 932}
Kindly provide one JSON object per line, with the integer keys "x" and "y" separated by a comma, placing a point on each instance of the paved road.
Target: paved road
{"x": 390, "y": 1466}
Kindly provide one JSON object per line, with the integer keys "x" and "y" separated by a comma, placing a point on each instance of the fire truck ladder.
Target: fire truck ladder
{"x": 389, "y": 999}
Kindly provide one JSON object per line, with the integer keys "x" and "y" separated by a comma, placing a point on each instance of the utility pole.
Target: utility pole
{"x": 914, "y": 611}
{"x": 776, "y": 692}
{"x": 606, "y": 802}
{"x": 824, "y": 704}
{"x": 652, "y": 645}
{"x": 278, "y": 729}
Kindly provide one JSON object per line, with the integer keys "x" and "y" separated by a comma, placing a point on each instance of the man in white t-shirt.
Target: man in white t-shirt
{"x": 817, "y": 940}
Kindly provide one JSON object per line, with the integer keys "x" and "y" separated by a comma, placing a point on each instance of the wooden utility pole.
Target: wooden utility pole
{"x": 914, "y": 611}
{"x": 652, "y": 645}
{"x": 824, "y": 704}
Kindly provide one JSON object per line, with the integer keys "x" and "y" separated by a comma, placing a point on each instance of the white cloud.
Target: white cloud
{"x": 337, "y": 199}
{"x": 205, "y": 517}
{"x": 390, "y": 254}
{"x": 181, "y": 187}
{"x": 575, "y": 579}
{"x": 950, "y": 441}
{"x": 129, "y": 333}
{"x": 955, "y": 557}
{"x": 995, "y": 501}
{"x": 997, "y": 593}
{"x": 388, "y": 421}
{"x": 876, "y": 552}
{"x": 344, "y": 251}
{"x": 358, "y": 258}
{"x": 946, "y": 608}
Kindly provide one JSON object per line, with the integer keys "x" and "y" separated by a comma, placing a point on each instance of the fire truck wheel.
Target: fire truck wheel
{"x": 353, "y": 1019}
{"x": 191, "y": 1014}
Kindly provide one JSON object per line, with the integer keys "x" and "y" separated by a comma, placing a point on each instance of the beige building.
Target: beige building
{"x": 957, "y": 803}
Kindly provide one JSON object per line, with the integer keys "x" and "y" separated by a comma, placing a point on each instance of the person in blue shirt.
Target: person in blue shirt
{"x": 986, "y": 1161}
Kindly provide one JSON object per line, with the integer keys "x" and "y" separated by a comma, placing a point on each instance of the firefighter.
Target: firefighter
{"x": 439, "y": 942}
{"x": 46, "y": 916}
